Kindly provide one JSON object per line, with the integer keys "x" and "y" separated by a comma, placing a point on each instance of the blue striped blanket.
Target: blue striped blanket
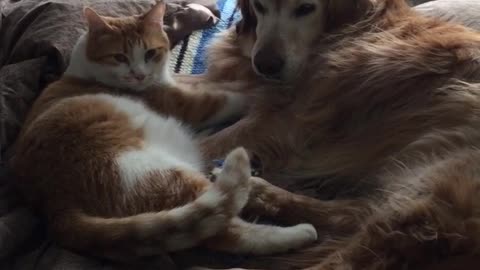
{"x": 189, "y": 56}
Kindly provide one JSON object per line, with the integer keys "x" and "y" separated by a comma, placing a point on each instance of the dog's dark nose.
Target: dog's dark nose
{"x": 268, "y": 62}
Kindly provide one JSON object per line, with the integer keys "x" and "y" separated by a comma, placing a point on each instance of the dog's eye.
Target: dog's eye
{"x": 150, "y": 54}
{"x": 304, "y": 10}
{"x": 120, "y": 58}
{"x": 259, "y": 7}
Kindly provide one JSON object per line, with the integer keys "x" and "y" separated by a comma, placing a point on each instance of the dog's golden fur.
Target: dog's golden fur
{"x": 387, "y": 112}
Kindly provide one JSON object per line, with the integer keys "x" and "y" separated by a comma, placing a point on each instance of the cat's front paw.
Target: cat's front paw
{"x": 231, "y": 108}
{"x": 236, "y": 105}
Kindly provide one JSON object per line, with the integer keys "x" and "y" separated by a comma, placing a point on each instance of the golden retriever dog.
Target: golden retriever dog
{"x": 377, "y": 106}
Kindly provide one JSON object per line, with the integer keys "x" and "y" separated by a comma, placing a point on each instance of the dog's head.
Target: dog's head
{"x": 285, "y": 31}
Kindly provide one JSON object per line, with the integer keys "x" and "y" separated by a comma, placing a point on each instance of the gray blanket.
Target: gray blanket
{"x": 37, "y": 37}
{"x": 35, "y": 40}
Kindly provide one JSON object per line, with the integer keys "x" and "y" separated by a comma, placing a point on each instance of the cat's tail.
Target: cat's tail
{"x": 151, "y": 233}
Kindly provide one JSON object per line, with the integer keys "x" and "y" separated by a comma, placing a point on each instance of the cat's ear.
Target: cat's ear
{"x": 154, "y": 17}
{"x": 95, "y": 21}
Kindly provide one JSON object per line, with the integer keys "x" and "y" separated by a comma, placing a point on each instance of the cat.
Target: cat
{"x": 106, "y": 158}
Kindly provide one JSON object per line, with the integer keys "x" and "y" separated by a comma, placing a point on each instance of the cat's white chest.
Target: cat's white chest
{"x": 167, "y": 143}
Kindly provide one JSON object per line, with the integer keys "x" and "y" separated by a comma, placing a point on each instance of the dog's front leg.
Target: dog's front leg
{"x": 335, "y": 217}
{"x": 267, "y": 200}
{"x": 242, "y": 133}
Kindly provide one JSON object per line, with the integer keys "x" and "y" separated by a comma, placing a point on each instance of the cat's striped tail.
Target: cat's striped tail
{"x": 148, "y": 234}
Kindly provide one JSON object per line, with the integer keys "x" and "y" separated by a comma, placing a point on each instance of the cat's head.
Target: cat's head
{"x": 130, "y": 52}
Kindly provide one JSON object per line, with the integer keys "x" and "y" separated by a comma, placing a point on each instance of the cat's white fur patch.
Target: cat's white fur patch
{"x": 266, "y": 239}
{"x": 167, "y": 143}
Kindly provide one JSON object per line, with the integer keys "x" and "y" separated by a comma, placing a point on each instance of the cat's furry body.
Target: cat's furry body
{"x": 105, "y": 156}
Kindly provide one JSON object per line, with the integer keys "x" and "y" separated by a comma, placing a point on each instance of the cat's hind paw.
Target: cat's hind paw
{"x": 234, "y": 178}
{"x": 302, "y": 234}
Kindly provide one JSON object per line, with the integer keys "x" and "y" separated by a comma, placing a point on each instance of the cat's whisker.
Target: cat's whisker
{"x": 127, "y": 153}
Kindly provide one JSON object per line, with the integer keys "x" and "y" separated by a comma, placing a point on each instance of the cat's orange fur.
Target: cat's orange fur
{"x": 387, "y": 113}
{"x": 67, "y": 159}
{"x": 123, "y": 33}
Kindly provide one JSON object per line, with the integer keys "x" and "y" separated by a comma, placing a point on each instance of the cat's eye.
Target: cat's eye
{"x": 259, "y": 7}
{"x": 304, "y": 10}
{"x": 120, "y": 58}
{"x": 150, "y": 54}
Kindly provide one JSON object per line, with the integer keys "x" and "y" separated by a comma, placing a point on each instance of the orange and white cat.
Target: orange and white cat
{"x": 106, "y": 158}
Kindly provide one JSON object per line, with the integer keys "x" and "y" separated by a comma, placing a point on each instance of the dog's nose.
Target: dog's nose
{"x": 268, "y": 62}
{"x": 139, "y": 76}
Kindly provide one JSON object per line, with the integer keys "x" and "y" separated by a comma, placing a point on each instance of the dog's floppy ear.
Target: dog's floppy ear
{"x": 249, "y": 21}
{"x": 344, "y": 12}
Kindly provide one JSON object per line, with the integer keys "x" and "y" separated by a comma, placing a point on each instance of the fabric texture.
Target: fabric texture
{"x": 189, "y": 55}
{"x": 465, "y": 12}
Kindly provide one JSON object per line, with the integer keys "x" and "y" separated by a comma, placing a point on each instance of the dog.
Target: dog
{"x": 373, "y": 103}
